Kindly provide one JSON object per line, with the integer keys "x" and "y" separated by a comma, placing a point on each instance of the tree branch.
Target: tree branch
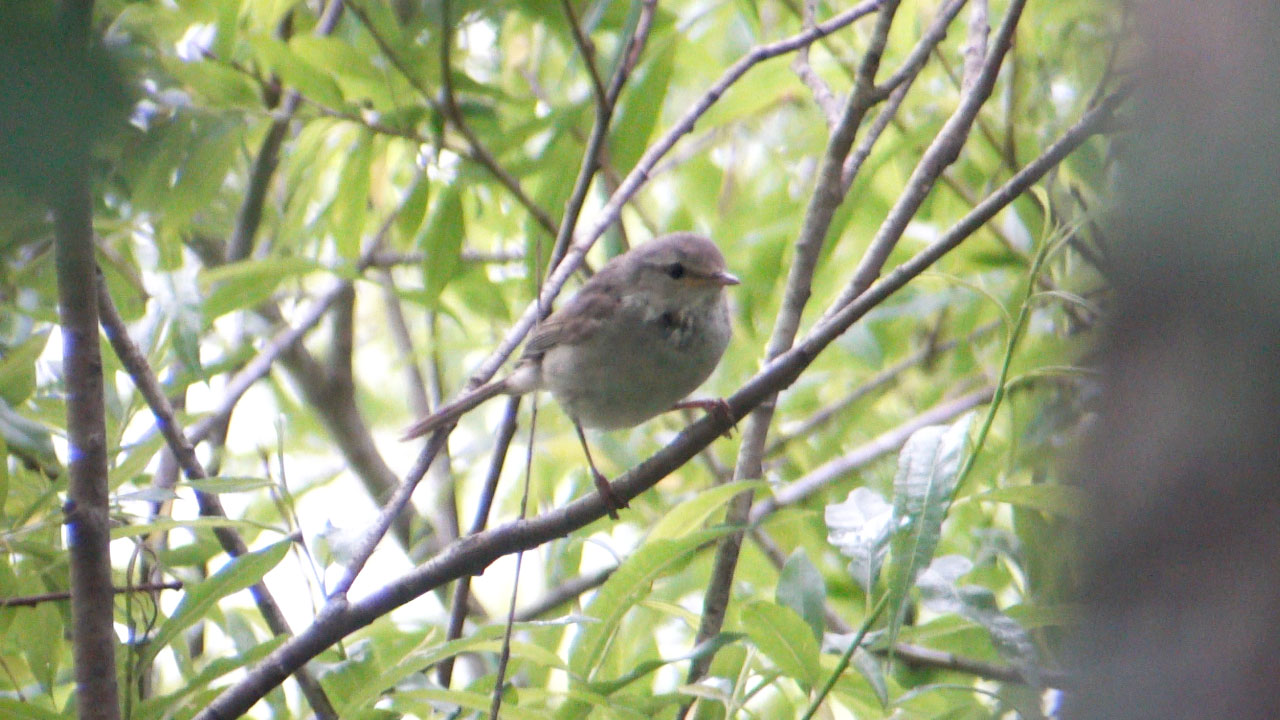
{"x": 135, "y": 363}
{"x": 827, "y": 196}
{"x": 606, "y": 102}
{"x": 88, "y": 499}
{"x": 471, "y": 554}
{"x": 943, "y": 151}
{"x": 640, "y": 174}
{"x": 885, "y": 442}
{"x": 878, "y": 381}
{"x": 32, "y": 600}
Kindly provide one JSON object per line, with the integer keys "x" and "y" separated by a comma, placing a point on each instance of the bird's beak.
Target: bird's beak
{"x": 724, "y": 278}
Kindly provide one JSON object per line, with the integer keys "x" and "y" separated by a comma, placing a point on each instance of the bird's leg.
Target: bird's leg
{"x": 611, "y": 501}
{"x": 714, "y": 406}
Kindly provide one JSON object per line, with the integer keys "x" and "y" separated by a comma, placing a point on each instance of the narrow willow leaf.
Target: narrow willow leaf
{"x": 689, "y": 515}
{"x": 711, "y": 647}
{"x": 29, "y": 440}
{"x": 922, "y": 489}
{"x": 1053, "y": 499}
{"x": 801, "y": 588}
{"x": 14, "y": 709}
{"x": 218, "y": 485}
{"x": 427, "y": 703}
{"x": 870, "y": 667}
{"x": 197, "y": 599}
{"x": 159, "y": 705}
{"x": 784, "y": 638}
{"x": 18, "y": 368}
{"x": 640, "y": 107}
{"x": 238, "y": 285}
{"x": 294, "y": 71}
{"x": 941, "y": 593}
{"x": 441, "y": 240}
{"x": 627, "y": 586}
{"x": 860, "y": 527}
{"x": 167, "y": 524}
{"x": 350, "y": 204}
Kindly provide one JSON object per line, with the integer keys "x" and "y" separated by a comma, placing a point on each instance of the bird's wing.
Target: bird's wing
{"x": 577, "y": 321}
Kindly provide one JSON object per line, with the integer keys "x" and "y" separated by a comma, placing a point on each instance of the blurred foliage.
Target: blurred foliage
{"x": 369, "y": 148}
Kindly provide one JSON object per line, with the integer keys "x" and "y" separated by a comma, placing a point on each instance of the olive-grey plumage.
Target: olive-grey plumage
{"x": 641, "y": 334}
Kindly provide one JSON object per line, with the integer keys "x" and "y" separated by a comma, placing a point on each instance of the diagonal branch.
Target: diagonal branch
{"x": 135, "y": 363}
{"x": 640, "y": 174}
{"x": 471, "y": 554}
{"x": 606, "y": 103}
{"x": 827, "y": 197}
{"x": 943, "y": 151}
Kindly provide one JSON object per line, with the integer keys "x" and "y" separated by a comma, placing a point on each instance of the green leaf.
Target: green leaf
{"x": 441, "y": 240}
{"x": 927, "y": 470}
{"x": 870, "y": 667}
{"x": 860, "y": 527}
{"x": 29, "y": 440}
{"x": 626, "y": 587}
{"x": 200, "y": 174}
{"x": 25, "y": 710}
{"x": 784, "y": 638}
{"x": 136, "y": 459}
{"x": 1047, "y": 498}
{"x": 38, "y": 631}
{"x": 690, "y": 515}
{"x": 647, "y": 667}
{"x": 642, "y": 102}
{"x": 801, "y": 588}
{"x": 243, "y": 284}
{"x": 161, "y": 705}
{"x": 413, "y": 209}
{"x": 294, "y": 71}
{"x": 18, "y": 368}
{"x": 350, "y": 204}
{"x": 426, "y": 703}
{"x": 198, "y": 599}
{"x": 940, "y": 593}
{"x": 228, "y": 484}
{"x": 167, "y": 524}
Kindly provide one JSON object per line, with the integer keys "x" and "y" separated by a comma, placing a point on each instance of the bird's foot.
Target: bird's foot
{"x": 714, "y": 406}
{"x": 611, "y": 501}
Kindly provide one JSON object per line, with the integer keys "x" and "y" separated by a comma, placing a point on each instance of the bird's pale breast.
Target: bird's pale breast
{"x": 640, "y": 366}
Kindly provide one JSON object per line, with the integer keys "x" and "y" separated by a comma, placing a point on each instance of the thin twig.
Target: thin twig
{"x": 827, "y": 197}
{"x": 564, "y": 592}
{"x": 895, "y": 89}
{"x": 183, "y": 451}
{"x": 640, "y": 174}
{"x": 447, "y": 106}
{"x": 31, "y": 600}
{"x": 479, "y": 152}
{"x": 877, "y": 382}
{"x": 471, "y": 554}
{"x": 821, "y": 91}
{"x": 606, "y": 102}
{"x": 885, "y": 442}
{"x": 975, "y": 47}
{"x": 943, "y": 151}
{"x": 459, "y": 608}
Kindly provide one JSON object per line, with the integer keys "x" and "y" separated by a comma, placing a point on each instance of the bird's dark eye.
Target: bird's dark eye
{"x": 675, "y": 270}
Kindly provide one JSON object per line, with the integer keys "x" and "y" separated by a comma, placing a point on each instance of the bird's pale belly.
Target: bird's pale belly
{"x": 625, "y": 380}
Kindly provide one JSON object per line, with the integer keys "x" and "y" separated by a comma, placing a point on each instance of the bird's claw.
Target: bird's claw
{"x": 611, "y": 501}
{"x": 713, "y": 406}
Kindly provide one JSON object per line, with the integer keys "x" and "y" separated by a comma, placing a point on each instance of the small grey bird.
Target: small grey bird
{"x": 637, "y": 338}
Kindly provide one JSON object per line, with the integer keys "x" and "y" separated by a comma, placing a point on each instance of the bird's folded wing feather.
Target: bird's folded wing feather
{"x": 576, "y": 322}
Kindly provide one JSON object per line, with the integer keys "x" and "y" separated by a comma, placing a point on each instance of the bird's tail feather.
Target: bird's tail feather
{"x": 449, "y": 413}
